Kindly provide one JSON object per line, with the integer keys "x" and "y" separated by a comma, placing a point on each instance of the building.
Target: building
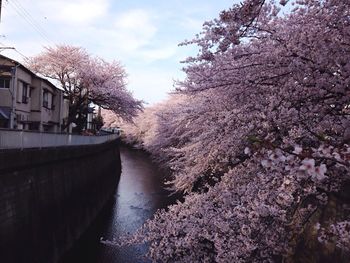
{"x": 94, "y": 120}
{"x": 27, "y": 101}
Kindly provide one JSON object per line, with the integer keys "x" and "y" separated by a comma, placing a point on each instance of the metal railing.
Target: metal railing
{"x": 19, "y": 139}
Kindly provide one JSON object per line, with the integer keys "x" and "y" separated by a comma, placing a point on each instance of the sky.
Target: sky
{"x": 142, "y": 35}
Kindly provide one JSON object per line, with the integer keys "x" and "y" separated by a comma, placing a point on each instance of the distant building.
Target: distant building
{"x": 94, "y": 120}
{"x": 28, "y": 101}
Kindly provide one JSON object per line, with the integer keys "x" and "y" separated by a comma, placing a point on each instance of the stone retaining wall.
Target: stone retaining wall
{"x": 49, "y": 196}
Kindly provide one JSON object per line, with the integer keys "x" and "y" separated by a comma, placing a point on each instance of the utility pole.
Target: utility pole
{"x": 0, "y": 9}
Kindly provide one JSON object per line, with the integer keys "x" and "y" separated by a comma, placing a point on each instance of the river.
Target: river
{"x": 139, "y": 194}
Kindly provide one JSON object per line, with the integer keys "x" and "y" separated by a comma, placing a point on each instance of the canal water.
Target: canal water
{"x": 139, "y": 194}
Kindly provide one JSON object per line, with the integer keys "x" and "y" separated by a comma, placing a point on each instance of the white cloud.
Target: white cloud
{"x": 134, "y": 29}
{"x": 151, "y": 84}
{"x": 83, "y": 11}
{"x": 161, "y": 53}
{"x": 134, "y": 19}
{"x": 143, "y": 35}
{"x": 192, "y": 24}
{"x": 67, "y": 11}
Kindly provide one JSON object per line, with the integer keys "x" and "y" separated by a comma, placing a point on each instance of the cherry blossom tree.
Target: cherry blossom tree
{"x": 258, "y": 141}
{"x": 86, "y": 80}
{"x": 110, "y": 119}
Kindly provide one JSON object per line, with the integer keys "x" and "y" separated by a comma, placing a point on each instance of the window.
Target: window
{"x": 46, "y": 99}
{"x": 25, "y": 92}
{"x": 22, "y": 91}
{"x": 4, "y": 83}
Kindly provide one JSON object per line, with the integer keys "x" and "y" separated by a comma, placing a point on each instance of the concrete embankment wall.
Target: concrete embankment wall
{"x": 48, "y": 197}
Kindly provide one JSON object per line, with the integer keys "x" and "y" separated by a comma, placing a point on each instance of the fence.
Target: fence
{"x": 17, "y": 139}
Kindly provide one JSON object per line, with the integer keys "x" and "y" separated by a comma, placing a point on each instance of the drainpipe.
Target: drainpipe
{"x": 60, "y": 97}
{"x": 13, "y": 95}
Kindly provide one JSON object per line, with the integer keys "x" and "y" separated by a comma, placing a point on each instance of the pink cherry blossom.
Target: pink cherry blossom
{"x": 308, "y": 165}
{"x": 86, "y": 79}
{"x": 277, "y": 84}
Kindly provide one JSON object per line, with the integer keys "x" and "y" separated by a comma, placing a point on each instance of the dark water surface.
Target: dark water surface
{"x": 139, "y": 194}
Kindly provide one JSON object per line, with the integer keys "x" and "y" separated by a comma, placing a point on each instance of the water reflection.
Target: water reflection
{"x": 138, "y": 196}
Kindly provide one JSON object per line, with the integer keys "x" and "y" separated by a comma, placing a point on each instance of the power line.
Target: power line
{"x": 28, "y": 18}
{"x": 31, "y": 18}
